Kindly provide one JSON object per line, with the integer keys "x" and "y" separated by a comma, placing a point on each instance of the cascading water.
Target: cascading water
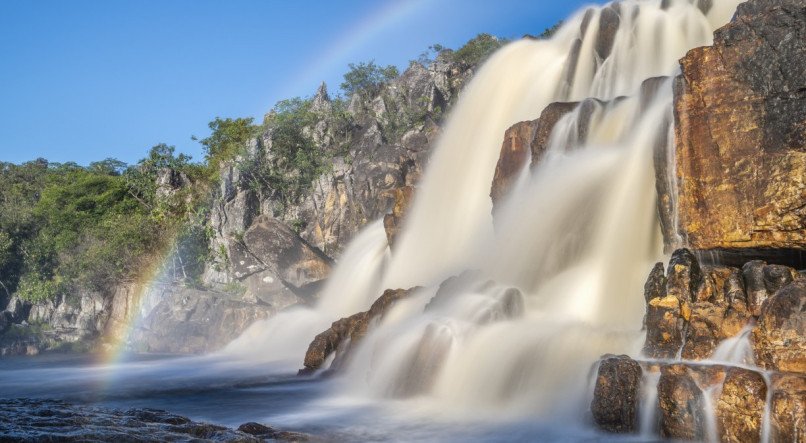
{"x": 558, "y": 281}
{"x": 353, "y": 286}
{"x": 576, "y": 236}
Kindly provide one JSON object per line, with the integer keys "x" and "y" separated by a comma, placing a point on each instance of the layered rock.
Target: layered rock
{"x": 347, "y": 332}
{"x": 740, "y": 136}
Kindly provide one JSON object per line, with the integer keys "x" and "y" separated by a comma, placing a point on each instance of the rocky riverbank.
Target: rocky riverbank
{"x": 23, "y": 420}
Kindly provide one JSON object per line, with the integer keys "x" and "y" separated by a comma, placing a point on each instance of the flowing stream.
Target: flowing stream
{"x": 549, "y": 285}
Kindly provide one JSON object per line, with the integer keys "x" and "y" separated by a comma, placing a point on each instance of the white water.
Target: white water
{"x": 737, "y": 350}
{"x": 576, "y": 237}
{"x": 351, "y": 288}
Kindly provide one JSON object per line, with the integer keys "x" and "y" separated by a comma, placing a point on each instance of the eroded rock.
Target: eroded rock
{"x": 616, "y": 394}
{"x": 740, "y": 408}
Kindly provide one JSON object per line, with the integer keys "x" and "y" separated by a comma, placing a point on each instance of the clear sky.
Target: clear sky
{"x": 83, "y": 80}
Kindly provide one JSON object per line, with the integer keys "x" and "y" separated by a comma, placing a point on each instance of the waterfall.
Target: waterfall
{"x": 558, "y": 282}
{"x": 576, "y": 237}
{"x": 352, "y": 287}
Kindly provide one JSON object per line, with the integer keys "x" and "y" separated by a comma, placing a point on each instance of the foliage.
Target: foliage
{"x": 64, "y": 227}
{"x": 367, "y": 78}
{"x": 477, "y": 49}
{"x": 227, "y": 139}
{"x": 287, "y": 169}
{"x": 550, "y": 31}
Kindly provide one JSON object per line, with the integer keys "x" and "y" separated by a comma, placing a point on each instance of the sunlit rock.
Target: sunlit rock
{"x": 740, "y": 138}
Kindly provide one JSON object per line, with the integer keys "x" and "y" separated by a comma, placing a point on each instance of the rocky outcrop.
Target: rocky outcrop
{"x": 347, "y": 332}
{"x": 615, "y": 396}
{"x": 525, "y": 142}
{"x": 515, "y": 153}
{"x": 697, "y": 306}
{"x": 393, "y": 222}
{"x": 192, "y": 321}
{"x": 779, "y": 338}
{"x": 55, "y": 420}
{"x": 740, "y": 133}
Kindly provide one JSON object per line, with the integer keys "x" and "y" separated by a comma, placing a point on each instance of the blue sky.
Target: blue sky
{"x": 84, "y": 80}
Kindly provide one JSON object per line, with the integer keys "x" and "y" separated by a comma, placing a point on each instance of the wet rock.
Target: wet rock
{"x": 515, "y": 153}
{"x": 779, "y": 338}
{"x": 788, "y": 408}
{"x": 740, "y": 139}
{"x": 763, "y": 280}
{"x": 693, "y": 308}
{"x": 740, "y": 408}
{"x": 346, "y": 332}
{"x": 268, "y": 433}
{"x": 54, "y": 420}
{"x": 682, "y": 391}
{"x": 545, "y": 124}
{"x": 616, "y": 395}
{"x": 393, "y": 221}
{"x": 608, "y": 26}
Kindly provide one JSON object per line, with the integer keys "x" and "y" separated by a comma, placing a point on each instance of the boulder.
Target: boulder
{"x": 779, "y": 337}
{"x": 192, "y": 321}
{"x": 682, "y": 391}
{"x": 271, "y": 244}
{"x": 343, "y": 334}
{"x": 616, "y": 394}
{"x": 740, "y": 408}
{"x": 740, "y": 137}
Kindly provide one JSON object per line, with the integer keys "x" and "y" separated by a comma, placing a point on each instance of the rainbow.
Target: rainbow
{"x": 361, "y": 32}
{"x": 119, "y": 333}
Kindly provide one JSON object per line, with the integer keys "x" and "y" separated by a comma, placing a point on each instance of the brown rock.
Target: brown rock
{"x": 740, "y": 132}
{"x": 515, "y": 153}
{"x": 545, "y": 124}
{"x": 393, "y": 221}
{"x": 681, "y": 398}
{"x": 740, "y": 408}
{"x": 346, "y": 332}
{"x": 763, "y": 280}
{"x": 615, "y": 397}
{"x": 779, "y": 338}
{"x": 788, "y": 408}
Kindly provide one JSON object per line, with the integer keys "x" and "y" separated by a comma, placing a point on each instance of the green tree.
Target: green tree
{"x": 477, "y": 49}
{"x": 227, "y": 139}
{"x": 367, "y": 78}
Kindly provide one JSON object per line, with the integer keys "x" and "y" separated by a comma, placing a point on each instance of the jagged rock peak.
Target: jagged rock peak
{"x": 321, "y": 101}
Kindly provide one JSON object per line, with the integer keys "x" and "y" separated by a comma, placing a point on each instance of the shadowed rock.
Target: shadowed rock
{"x": 343, "y": 334}
{"x": 779, "y": 338}
{"x": 615, "y": 397}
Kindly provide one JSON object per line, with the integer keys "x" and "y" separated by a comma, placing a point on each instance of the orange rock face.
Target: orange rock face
{"x": 740, "y": 122}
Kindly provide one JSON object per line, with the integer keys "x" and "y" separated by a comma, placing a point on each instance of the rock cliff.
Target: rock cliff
{"x": 740, "y": 141}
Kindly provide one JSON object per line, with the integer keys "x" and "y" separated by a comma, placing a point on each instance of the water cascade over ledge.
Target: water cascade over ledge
{"x": 555, "y": 281}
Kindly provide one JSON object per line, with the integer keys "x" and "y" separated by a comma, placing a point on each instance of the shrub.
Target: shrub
{"x": 367, "y": 78}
